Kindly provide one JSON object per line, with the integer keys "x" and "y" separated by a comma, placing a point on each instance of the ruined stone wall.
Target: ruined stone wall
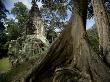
{"x": 29, "y": 48}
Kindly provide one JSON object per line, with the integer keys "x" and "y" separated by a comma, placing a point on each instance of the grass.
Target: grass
{"x": 4, "y": 65}
{"x": 17, "y": 73}
{"x": 20, "y": 72}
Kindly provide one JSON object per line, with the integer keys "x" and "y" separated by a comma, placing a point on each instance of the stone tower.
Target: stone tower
{"x": 33, "y": 43}
{"x": 37, "y": 26}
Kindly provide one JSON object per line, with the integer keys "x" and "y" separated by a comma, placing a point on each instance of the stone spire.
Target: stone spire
{"x": 35, "y": 23}
{"x": 34, "y": 9}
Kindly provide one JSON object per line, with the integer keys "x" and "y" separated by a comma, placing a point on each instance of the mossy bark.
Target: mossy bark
{"x": 103, "y": 27}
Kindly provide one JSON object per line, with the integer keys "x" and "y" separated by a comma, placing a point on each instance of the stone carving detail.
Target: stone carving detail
{"x": 33, "y": 43}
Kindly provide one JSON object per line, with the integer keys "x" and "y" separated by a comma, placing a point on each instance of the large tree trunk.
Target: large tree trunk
{"x": 71, "y": 59}
{"x": 103, "y": 26}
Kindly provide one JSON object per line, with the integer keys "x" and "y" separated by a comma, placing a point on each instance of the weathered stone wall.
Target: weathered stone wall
{"x": 26, "y": 48}
{"x": 31, "y": 45}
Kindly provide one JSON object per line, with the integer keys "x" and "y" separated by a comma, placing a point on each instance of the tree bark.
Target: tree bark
{"x": 71, "y": 58}
{"x": 103, "y": 26}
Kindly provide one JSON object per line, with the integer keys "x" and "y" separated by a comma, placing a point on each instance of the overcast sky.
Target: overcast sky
{"x": 10, "y": 5}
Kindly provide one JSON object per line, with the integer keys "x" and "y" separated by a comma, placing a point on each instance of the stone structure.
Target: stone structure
{"x": 36, "y": 26}
{"x": 33, "y": 43}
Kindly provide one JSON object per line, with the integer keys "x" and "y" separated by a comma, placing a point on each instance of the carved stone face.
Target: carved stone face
{"x": 39, "y": 26}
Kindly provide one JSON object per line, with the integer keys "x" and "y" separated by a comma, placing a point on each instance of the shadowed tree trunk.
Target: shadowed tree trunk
{"x": 103, "y": 26}
{"x": 71, "y": 58}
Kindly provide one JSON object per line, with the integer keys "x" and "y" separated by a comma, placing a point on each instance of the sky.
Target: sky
{"x": 90, "y": 23}
{"x": 10, "y": 4}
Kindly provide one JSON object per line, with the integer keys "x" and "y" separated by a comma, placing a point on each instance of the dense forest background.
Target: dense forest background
{"x": 52, "y": 43}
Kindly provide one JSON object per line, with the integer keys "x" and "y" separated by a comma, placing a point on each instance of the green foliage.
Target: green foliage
{"x": 2, "y": 10}
{"x": 13, "y": 31}
{"x": 15, "y": 27}
{"x": 19, "y": 9}
{"x": 3, "y": 38}
{"x": 93, "y": 38}
{"x": 51, "y": 35}
{"x": 18, "y": 73}
{"x": 55, "y": 15}
{"x": 21, "y": 13}
{"x": 55, "y": 12}
{"x": 5, "y": 65}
